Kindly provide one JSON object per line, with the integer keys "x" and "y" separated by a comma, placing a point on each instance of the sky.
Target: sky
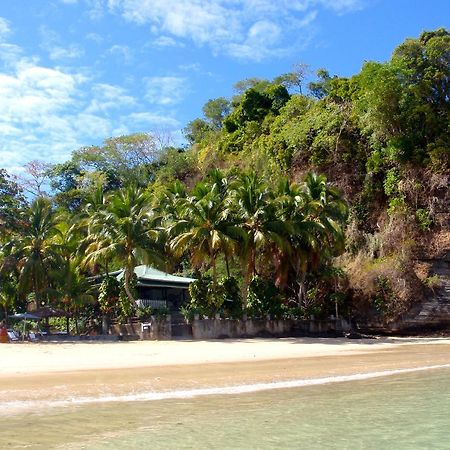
{"x": 75, "y": 72}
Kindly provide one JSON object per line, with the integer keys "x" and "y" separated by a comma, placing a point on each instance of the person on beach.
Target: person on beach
{"x": 3, "y": 333}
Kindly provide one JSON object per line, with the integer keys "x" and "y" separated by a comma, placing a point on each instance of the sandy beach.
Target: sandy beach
{"x": 54, "y": 371}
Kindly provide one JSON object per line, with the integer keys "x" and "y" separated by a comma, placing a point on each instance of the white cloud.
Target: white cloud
{"x": 192, "y": 67}
{"x": 95, "y": 37}
{"x": 123, "y": 51}
{"x": 342, "y": 6}
{"x": 165, "y": 90}
{"x": 106, "y": 97}
{"x": 51, "y": 43}
{"x": 166, "y": 41}
{"x": 10, "y": 53}
{"x": 47, "y": 112}
{"x": 71, "y": 52}
{"x": 5, "y": 28}
{"x": 250, "y": 29}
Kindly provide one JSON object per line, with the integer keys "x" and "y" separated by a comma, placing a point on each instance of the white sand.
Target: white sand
{"x": 35, "y": 358}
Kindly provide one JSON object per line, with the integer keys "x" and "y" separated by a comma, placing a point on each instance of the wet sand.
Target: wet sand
{"x": 55, "y": 371}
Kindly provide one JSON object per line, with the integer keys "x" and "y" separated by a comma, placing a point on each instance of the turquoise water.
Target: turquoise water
{"x": 406, "y": 411}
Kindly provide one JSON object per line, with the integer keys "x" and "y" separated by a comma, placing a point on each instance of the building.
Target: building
{"x": 158, "y": 289}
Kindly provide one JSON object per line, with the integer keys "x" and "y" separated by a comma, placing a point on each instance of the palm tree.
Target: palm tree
{"x": 205, "y": 225}
{"x": 256, "y": 216}
{"x": 38, "y": 251}
{"x": 73, "y": 289}
{"x": 123, "y": 230}
{"x": 326, "y": 207}
{"x": 319, "y": 232}
{"x": 291, "y": 261}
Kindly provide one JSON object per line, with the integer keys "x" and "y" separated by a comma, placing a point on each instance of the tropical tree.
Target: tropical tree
{"x": 73, "y": 289}
{"x": 205, "y": 227}
{"x": 123, "y": 230}
{"x": 257, "y": 218}
{"x": 37, "y": 250}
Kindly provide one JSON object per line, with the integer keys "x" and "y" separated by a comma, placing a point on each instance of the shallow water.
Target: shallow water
{"x": 403, "y": 411}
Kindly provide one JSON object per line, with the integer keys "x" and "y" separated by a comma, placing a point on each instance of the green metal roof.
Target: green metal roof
{"x": 147, "y": 275}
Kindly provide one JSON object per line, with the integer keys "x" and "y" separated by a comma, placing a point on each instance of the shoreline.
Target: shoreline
{"x": 44, "y": 373}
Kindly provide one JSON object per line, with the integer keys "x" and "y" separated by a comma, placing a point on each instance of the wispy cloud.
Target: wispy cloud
{"x": 166, "y": 41}
{"x": 71, "y": 52}
{"x": 106, "y": 97}
{"x": 165, "y": 90}
{"x": 47, "y": 112}
{"x": 123, "y": 51}
{"x": 95, "y": 37}
{"x": 51, "y": 43}
{"x": 5, "y": 28}
{"x": 250, "y": 29}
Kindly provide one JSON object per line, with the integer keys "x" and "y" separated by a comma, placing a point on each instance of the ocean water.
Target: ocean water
{"x": 403, "y": 410}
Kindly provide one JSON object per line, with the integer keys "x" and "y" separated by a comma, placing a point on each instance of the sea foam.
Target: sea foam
{"x": 11, "y": 407}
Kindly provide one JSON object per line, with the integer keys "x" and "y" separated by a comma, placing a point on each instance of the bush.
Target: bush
{"x": 144, "y": 312}
{"x": 232, "y": 303}
{"x": 108, "y": 297}
{"x": 423, "y": 219}
{"x": 264, "y": 298}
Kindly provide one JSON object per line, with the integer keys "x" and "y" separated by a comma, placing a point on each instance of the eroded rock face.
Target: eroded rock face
{"x": 433, "y": 261}
{"x": 434, "y": 311}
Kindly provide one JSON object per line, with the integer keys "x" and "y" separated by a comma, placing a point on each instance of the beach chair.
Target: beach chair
{"x": 12, "y": 336}
{"x": 33, "y": 337}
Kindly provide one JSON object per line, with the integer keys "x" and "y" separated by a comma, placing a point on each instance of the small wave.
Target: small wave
{"x": 12, "y": 407}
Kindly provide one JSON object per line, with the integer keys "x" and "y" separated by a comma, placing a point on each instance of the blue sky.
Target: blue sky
{"x": 74, "y": 72}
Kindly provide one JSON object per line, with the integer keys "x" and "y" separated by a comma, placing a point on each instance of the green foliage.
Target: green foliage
{"x": 433, "y": 282}
{"x": 108, "y": 297}
{"x": 127, "y": 306}
{"x": 397, "y": 205}
{"x": 384, "y": 297}
{"x": 391, "y": 182}
{"x": 216, "y": 110}
{"x": 197, "y": 130}
{"x": 144, "y": 313}
{"x": 263, "y": 298}
{"x": 12, "y": 203}
{"x": 381, "y": 137}
{"x": 423, "y": 219}
{"x": 232, "y": 303}
{"x": 207, "y": 298}
{"x": 321, "y": 87}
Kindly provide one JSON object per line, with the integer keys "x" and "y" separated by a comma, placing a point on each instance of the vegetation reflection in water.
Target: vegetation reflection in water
{"x": 404, "y": 412}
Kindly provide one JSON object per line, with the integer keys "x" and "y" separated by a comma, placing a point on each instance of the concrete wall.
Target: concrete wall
{"x": 226, "y": 328}
{"x": 153, "y": 329}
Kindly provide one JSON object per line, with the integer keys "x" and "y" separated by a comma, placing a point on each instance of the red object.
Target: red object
{"x": 3, "y": 335}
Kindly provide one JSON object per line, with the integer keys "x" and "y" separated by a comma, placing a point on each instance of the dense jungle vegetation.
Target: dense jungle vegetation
{"x": 290, "y": 198}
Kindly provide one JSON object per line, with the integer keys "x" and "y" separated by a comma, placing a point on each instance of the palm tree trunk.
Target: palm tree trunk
{"x": 249, "y": 274}
{"x": 301, "y": 289}
{"x": 227, "y": 264}
{"x": 126, "y": 286}
{"x": 37, "y": 299}
{"x": 214, "y": 268}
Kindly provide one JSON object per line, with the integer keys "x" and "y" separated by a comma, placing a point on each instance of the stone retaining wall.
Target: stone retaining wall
{"x": 153, "y": 329}
{"x": 230, "y": 328}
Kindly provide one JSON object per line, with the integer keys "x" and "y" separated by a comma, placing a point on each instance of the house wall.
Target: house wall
{"x": 174, "y": 297}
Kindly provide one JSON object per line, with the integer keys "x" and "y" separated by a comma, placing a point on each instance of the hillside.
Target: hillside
{"x": 382, "y": 140}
